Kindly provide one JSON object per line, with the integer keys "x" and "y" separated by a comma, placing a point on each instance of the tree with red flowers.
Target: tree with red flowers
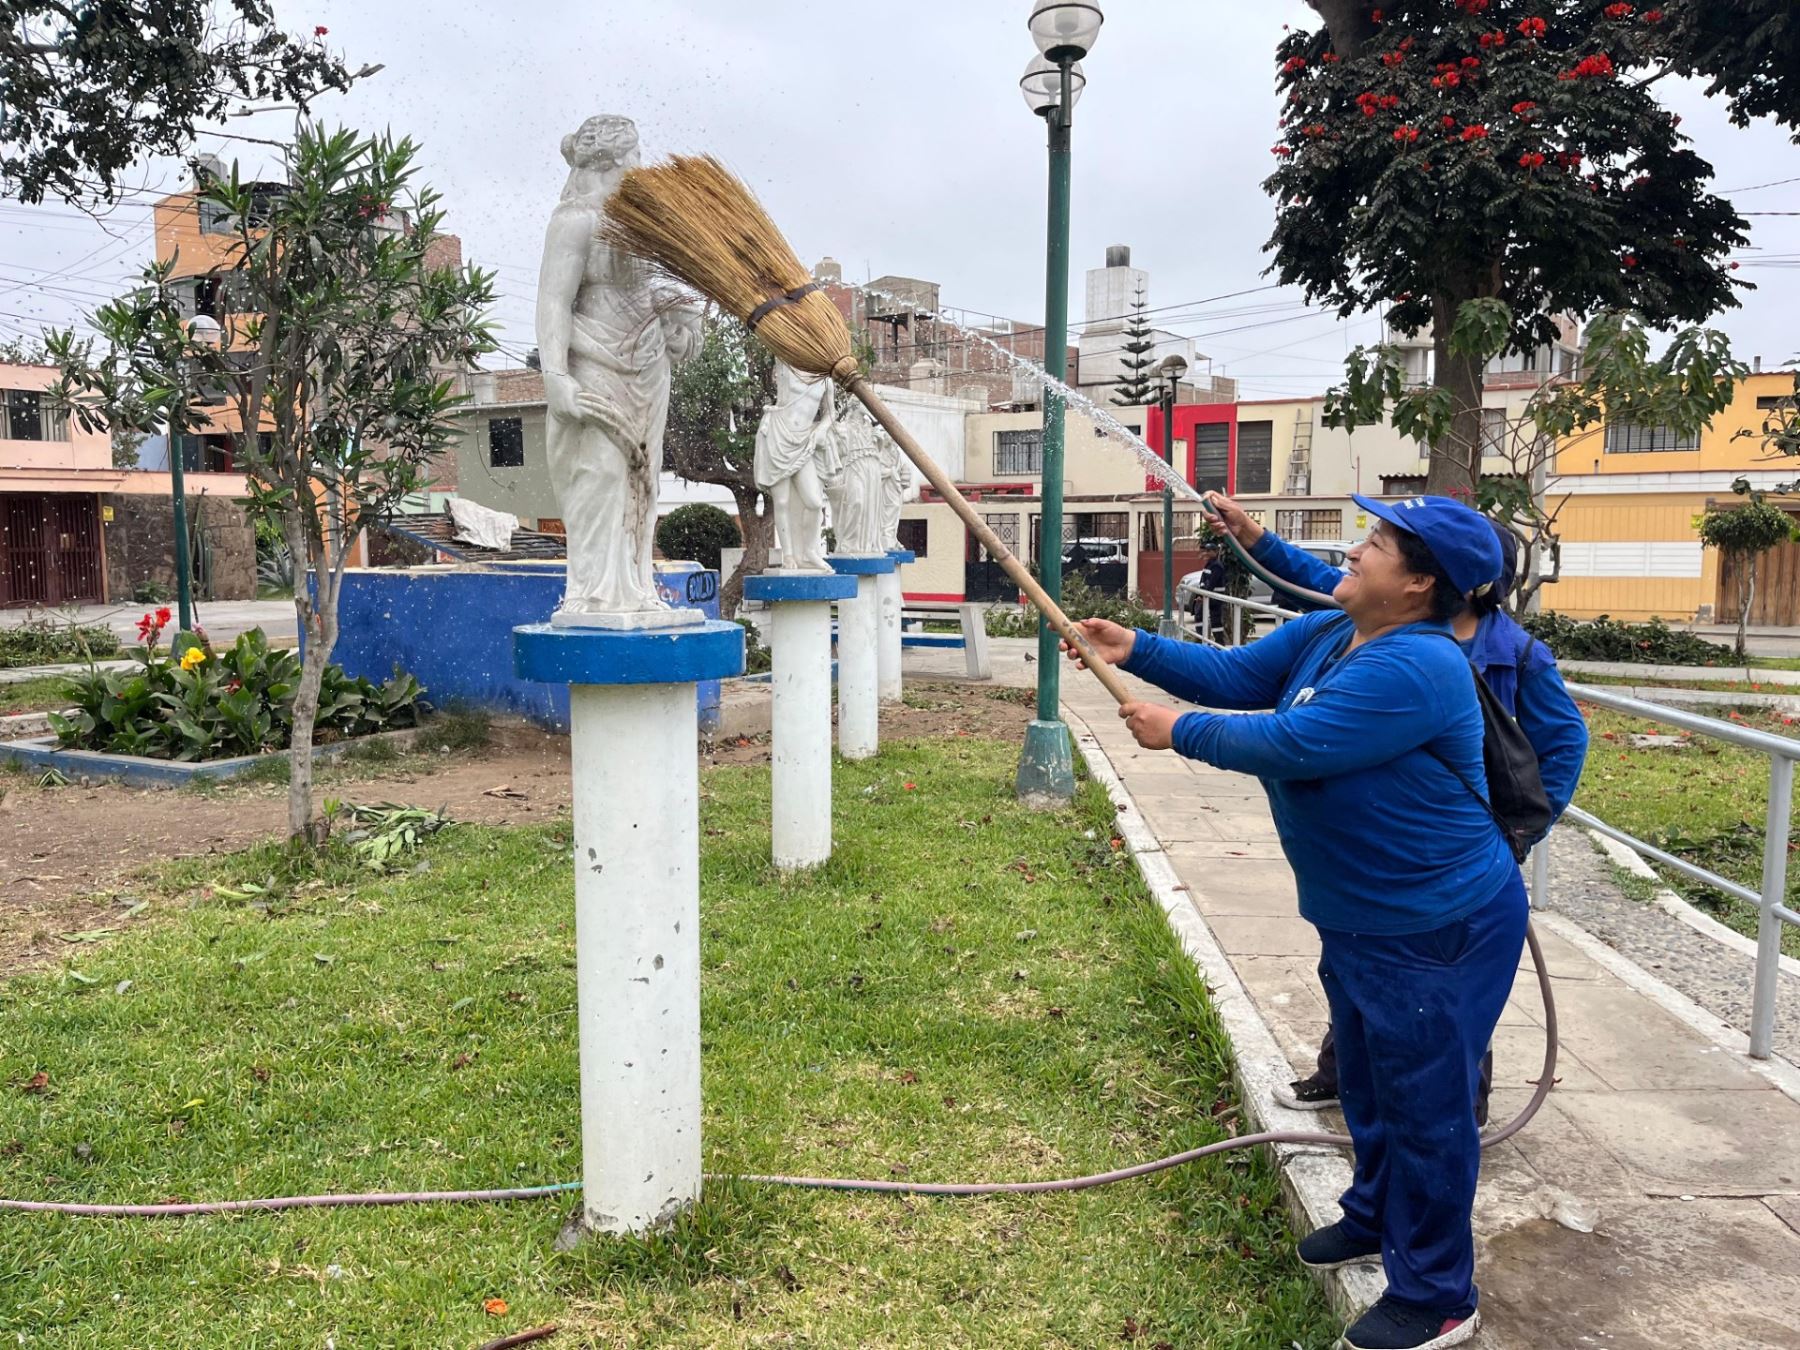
{"x": 1547, "y": 179}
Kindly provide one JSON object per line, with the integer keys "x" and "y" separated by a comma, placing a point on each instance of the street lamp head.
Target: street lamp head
{"x": 1042, "y": 85}
{"x": 1172, "y": 368}
{"x": 1065, "y": 30}
{"x": 205, "y": 330}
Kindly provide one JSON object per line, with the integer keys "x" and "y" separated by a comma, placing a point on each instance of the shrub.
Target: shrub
{"x": 43, "y": 641}
{"x": 1607, "y": 639}
{"x": 697, "y": 531}
{"x": 1079, "y": 601}
{"x": 758, "y": 660}
{"x": 192, "y": 703}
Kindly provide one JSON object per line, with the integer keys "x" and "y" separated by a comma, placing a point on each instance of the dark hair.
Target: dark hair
{"x": 1446, "y": 601}
{"x": 1490, "y": 600}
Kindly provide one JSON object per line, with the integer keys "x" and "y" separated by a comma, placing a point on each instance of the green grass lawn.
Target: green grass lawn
{"x": 1704, "y": 801}
{"x": 967, "y": 991}
{"x": 1714, "y": 686}
{"x": 42, "y": 694}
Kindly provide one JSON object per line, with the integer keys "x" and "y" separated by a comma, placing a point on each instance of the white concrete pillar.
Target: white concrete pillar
{"x": 637, "y": 950}
{"x": 887, "y": 651}
{"x": 800, "y": 751}
{"x": 634, "y": 732}
{"x": 859, "y": 675}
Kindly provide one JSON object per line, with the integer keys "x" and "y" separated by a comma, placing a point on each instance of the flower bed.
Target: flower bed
{"x": 191, "y": 703}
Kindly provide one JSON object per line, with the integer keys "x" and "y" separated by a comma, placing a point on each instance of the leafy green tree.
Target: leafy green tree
{"x": 1135, "y": 386}
{"x": 91, "y": 86}
{"x": 699, "y": 531}
{"x": 1440, "y": 152}
{"x": 1747, "y": 50}
{"x": 1743, "y": 534}
{"x": 1684, "y": 388}
{"x": 345, "y": 347}
{"x": 715, "y": 404}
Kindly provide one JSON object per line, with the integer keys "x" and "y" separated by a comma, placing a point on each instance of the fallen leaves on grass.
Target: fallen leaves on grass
{"x": 38, "y": 1082}
{"x": 495, "y": 1307}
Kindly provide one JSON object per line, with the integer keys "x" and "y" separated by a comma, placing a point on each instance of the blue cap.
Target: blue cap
{"x": 1458, "y": 536}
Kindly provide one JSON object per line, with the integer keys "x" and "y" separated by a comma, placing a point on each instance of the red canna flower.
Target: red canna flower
{"x": 163, "y": 616}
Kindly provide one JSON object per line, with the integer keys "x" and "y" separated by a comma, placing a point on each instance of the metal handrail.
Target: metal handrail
{"x": 1769, "y": 898}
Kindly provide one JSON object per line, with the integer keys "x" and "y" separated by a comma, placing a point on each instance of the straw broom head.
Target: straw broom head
{"x": 693, "y": 220}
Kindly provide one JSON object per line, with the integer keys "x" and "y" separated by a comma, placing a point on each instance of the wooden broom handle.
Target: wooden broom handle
{"x": 940, "y": 482}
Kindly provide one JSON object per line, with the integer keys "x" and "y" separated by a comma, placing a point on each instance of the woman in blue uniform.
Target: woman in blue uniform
{"x": 1517, "y": 667}
{"x": 1368, "y": 731}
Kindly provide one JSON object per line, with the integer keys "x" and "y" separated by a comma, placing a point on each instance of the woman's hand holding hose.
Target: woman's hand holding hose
{"x": 1235, "y": 519}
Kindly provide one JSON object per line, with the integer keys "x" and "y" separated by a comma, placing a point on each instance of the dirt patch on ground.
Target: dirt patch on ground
{"x": 69, "y": 855}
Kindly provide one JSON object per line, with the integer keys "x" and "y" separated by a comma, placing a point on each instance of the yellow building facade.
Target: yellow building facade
{"x": 1628, "y": 499}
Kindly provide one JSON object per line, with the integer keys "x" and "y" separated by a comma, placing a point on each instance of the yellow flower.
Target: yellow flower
{"x": 192, "y": 657}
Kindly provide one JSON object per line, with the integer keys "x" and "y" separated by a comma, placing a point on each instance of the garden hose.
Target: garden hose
{"x": 1545, "y": 1081}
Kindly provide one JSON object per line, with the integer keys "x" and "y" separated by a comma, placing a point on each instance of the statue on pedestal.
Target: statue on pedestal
{"x": 856, "y": 490}
{"x": 608, "y": 340}
{"x": 896, "y": 482}
{"x": 796, "y": 453}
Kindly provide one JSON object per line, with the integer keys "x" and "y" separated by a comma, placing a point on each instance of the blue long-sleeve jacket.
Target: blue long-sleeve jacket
{"x": 1382, "y": 836}
{"x": 1517, "y": 667}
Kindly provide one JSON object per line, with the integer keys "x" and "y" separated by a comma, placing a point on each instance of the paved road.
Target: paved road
{"x": 223, "y": 620}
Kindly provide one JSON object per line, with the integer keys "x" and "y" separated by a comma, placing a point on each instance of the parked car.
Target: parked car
{"x": 1333, "y": 552}
{"x": 1103, "y": 563}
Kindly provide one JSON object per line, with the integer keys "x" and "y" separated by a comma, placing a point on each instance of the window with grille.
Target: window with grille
{"x": 1309, "y": 524}
{"x": 1493, "y": 431}
{"x": 1637, "y": 438}
{"x": 506, "y": 442}
{"x": 1019, "y": 451}
{"x": 1212, "y": 457}
{"x": 1256, "y": 448}
{"x": 25, "y": 415}
{"x": 913, "y": 535}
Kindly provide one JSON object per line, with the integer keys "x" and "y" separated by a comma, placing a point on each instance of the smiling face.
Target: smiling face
{"x": 1378, "y": 589}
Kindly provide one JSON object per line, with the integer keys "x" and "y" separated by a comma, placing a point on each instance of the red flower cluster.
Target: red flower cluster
{"x": 1372, "y": 103}
{"x": 1473, "y": 6}
{"x": 1471, "y": 63}
{"x": 1284, "y": 151}
{"x": 1293, "y": 63}
{"x": 1618, "y": 11}
{"x": 1653, "y": 16}
{"x": 1475, "y": 133}
{"x": 1449, "y": 122}
{"x": 1495, "y": 39}
{"x": 320, "y": 31}
{"x": 1597, "y": 66}
{"x": 151, "y": 625}
{"x": 1531, "y": 161}
{"x": 1570, "y": 159}
{"x": 1450, "y": 79}
{"x": 1376, "y": 16}
{"x": 1392, "y": 59}
{"x": 1313, "y": 129}
{"x": 1631, "y": 260}
{"x": 1533, "y": 28}
{"x": 1407, "y": 134}
{"x": 1329, "y": 58}
{"x": 1524, "y": 109}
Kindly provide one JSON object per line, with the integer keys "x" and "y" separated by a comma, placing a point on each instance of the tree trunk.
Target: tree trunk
{"x": 1746, "y": 598}
{"x": 1456, "y": 455}
{"x": 1347, "y": 21}
{"x": 316, "y": 616}
{"x": 758, "y": 530}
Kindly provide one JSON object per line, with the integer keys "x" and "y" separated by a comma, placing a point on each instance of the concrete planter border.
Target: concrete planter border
{"x": 41, "y": 752}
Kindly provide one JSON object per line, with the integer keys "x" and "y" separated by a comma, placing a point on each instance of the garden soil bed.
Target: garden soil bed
{"x": 67, "y": 855}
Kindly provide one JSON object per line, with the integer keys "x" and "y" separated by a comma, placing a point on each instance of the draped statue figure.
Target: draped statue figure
{"x": 796, "y": 453}
{"x": 856, "y": 488}
{"x": 608, "y": 339}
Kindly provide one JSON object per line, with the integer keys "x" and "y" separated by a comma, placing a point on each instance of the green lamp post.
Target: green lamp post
{"x": 1065, "y": 31}
{"x": 1170, "y": 373}
{"x": 204, "y": 330}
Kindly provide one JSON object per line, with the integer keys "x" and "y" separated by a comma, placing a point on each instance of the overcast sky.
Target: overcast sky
{"x": 890, "y": 136}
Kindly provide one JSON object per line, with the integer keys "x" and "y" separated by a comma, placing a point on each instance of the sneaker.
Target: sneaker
{"x": 1308, "y": 1094}
{"x": 1399, "y": 1326}
{"x": 1327, "y": 1249}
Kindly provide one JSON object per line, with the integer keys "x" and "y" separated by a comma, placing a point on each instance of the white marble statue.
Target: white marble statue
{"x": 608, "y": 338}
{"x": 856, "y": 490}
{"x": 896, "y": 482}
{"x": 796, "y": 453}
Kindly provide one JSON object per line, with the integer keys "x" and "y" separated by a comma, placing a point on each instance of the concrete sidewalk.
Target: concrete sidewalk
{"x": 223, "y": 620}
{"x": 1685, "y": 1153}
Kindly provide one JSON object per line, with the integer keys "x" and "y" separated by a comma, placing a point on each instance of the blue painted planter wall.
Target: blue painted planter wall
{"x": 454, "y": 631}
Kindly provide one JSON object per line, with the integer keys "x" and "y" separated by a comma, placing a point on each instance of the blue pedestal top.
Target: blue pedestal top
{"x": 903, "y": 556}
{"x": 710, "y": 651}
{"x": 879, "y": 565}
{"x": 772, "y": 590}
